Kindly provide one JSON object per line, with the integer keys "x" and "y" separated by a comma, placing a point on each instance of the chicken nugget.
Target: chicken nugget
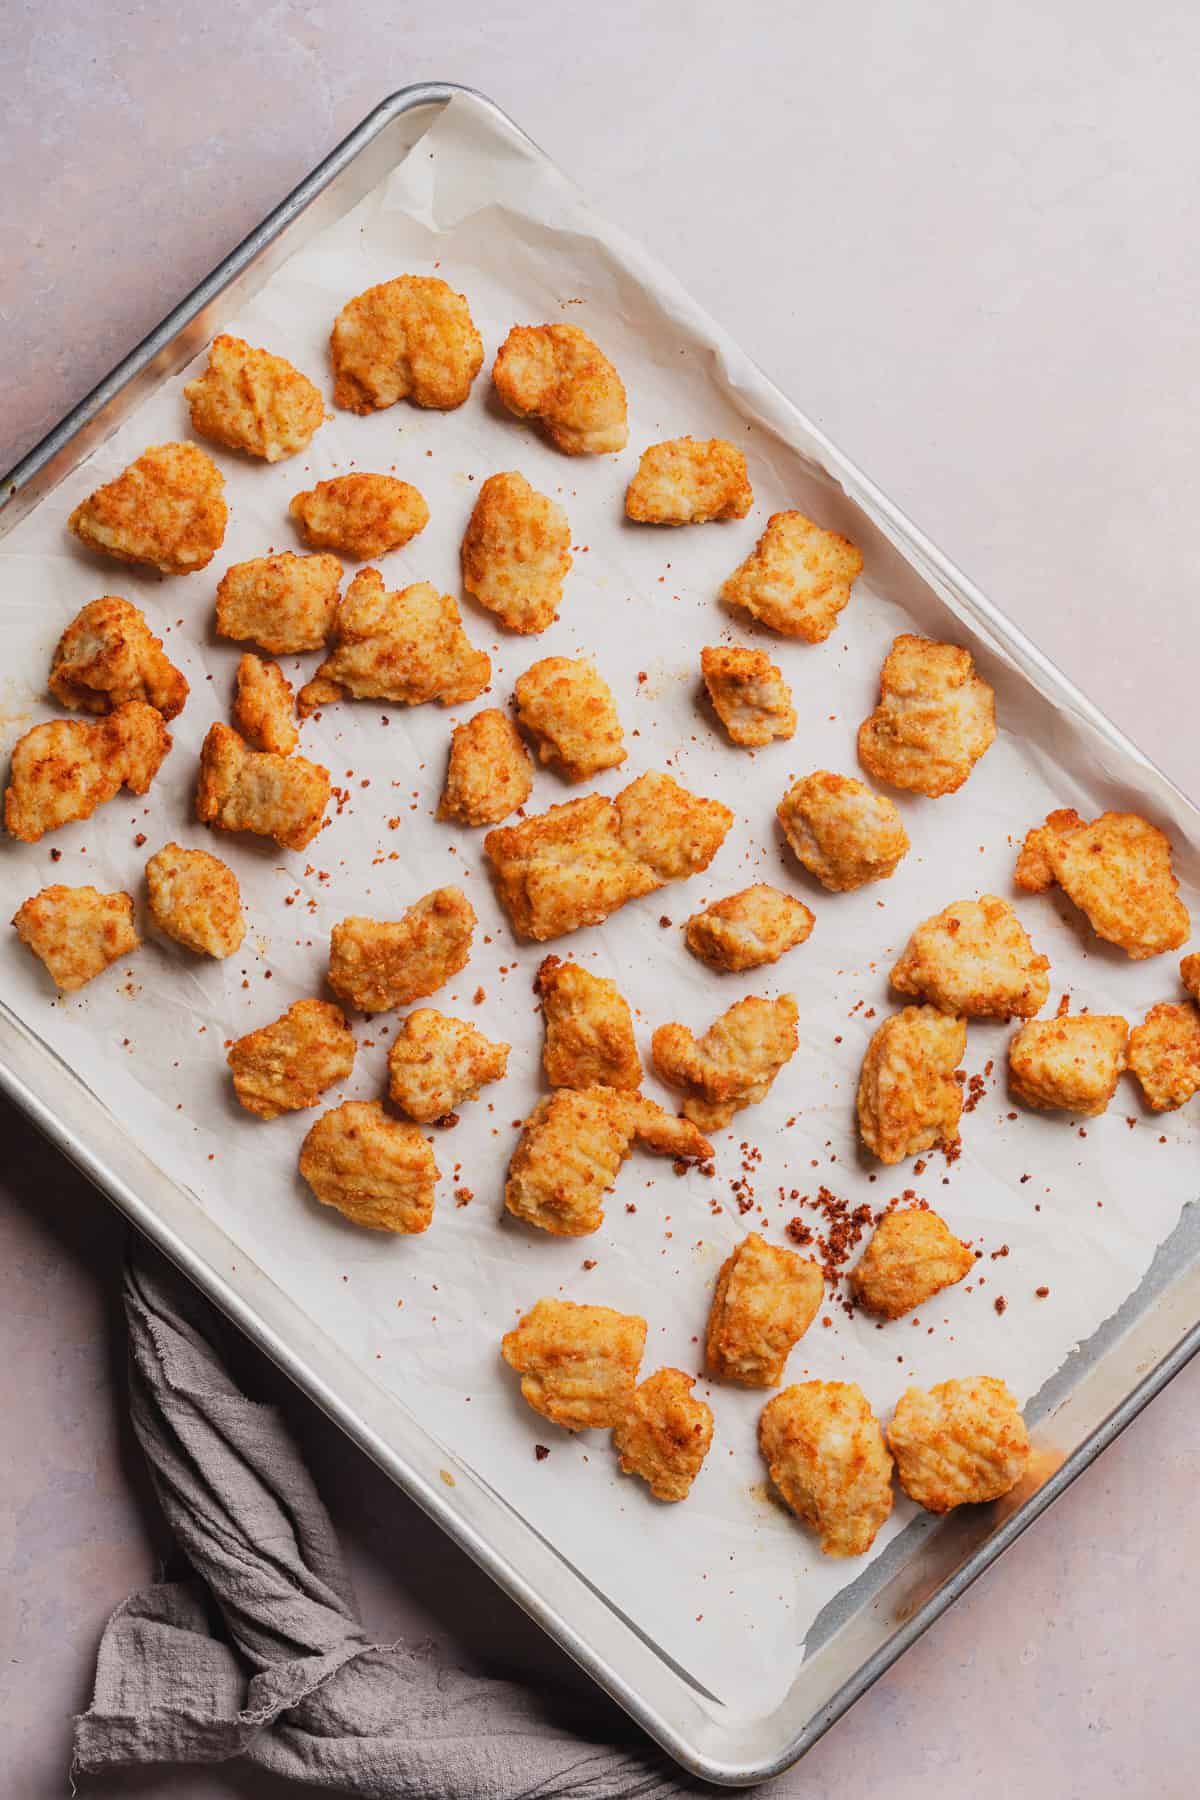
{"x": 567, "y": 707}
{"x": 578, "y": 1364}
{"x": 912, "y": 1255}
{"x": 262, "y": 706}
{"x": 959, "y": 1443}
{"x": 408, "y": 339}
{"x": 748, "y": 693}
{"x": 165, "y": 509}
{"x": 934, "y": 720}
{"x": 733, "y": 1064}
{"x": 76, "y": 932}
{"x": 287, "y": 1065}
{"x": 1071, "y": 1063}
{"x": 1189, "y": 974}
{"x": 378, "y": 1171}
{"x": 797, "y": 579}
{"x": 667, "y": 830}
{"x": 975, "y": 958}
{"x": 908, "y": 1097}
{"x": 362, "y": 515}
{"x": 284, "y": 604}
{"x": 1117, "y": 871}
{"x": 841, "y": 831}
{"x": 589, "y": 1029}
{"x": 65, "y": 769}
{"x": 280, "y": 797}
{"x": 765, "y": 1300}
{"x": 377, "y": 965}
{"x": 664, "y": 1434}
{"x": 1164, "y": 1054}
{"x": 557, "y": 375}
{"x": 409, "y": 647}
{"x": 436, "y": 1063}
{"x": 251, "y": 400}
{"x": 689, "y": 481}
{"x": 516, "y": 553}
{"x": 108, "y": 655}
{"x": 490, "y": 773}
{"x": 746, "y": 930}
{"x": 825, "y": 1452}
{"x": 195, "y": 899}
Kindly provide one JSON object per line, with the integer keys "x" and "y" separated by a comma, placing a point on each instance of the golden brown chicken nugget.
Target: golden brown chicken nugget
{"x": 65, "y": 769}
{"x": 376, "y": 965}
{"x": 1071, "y": 1063}
{"x": 825, "y": 1452}
{"x": 912, "y": 1255}
{"x": 578, "y": 1364}
{"x": 362, "y": 515}
{"x": 748, "y": 929}
{"x": 108, "y": 655}
{"x": 1117, "y": 870}
{"x": 408, "y": 339}
{"x": 437, "y": 1063}
{"x": 765, "y": 1300}
{"x": 733, "y": 1064}
{"x": 195, "y": 899}
{"x": 689, "y": 481}
{"x": 1189, "y": 974}
{"x": 76, "y": 932}
{"x": 557, "y": 375}
{"x": 748, "y": 693}
{"x": 516, "y": 553}
{"x": 165, "y": 509}
{"x": 287, "y": 1065}
{"x": 1164, "y": 1054}
{"x": 251, "y": 400}
{"x": 667, "y": 830}
{"x": 959, "y": 1443}
{"x": 262, "y": 706}
{"x": 841, "y": 831}
{"x": 280, "y": 797}
{"x": 490, "y": 772}
{"x": 664, "y": 1434}
{"x": 975, "y": 958}
{"x": 567, "y": 707}
{"x": 409, "y": 647}
{"x": 908, "y": 1097}
{"x": 934, "y": 720}
{"x": 284, "y": 604}
{"x": 797, "y": 579}
{"x": 378, "y": 1171}
{"x": 589, "y": 1028}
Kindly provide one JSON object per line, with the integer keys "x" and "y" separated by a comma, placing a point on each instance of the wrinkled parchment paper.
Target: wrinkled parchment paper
{"x": 726, "y": 1584}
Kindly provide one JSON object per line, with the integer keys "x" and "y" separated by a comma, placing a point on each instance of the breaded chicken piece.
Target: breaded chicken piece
{"x": 577, "y": 863}
{"x": 262, "y": 706}
{"x": 557, "y": 375}
{"x": 490, "y": 772}
{"x": 1164, "y": 1054}
{"x": 76, "y": 932}
{"x": 287, "y": 1065}
{"x": 1189, "y": 974}
{"x": 408, "y": 339}
{"x": 841, "y": 831}
{"x": 377, "y": 965}
{"x": 912, "y": 1255}
{"x": 975, "y": 958}
{"x": 826, "y": 1455}
{"x": 934, "y": 720}
{"x": 765, "y": 1300}
{"x": 908, "y": 1097}
{"x": 578, "y": 1364}
{"x": 748, "y": 929}
{"x": 280, "y": 797}
{"x": 748, "y": 693}
{"x": 664, "y": 1434}
{"x": 251, "y": 400}
{"x": 165, "y": 509}
{"x": 573, "y": 1144}
{"x": 589, "y": 1028}
{"x": 284, "y": 604}
{"x": 733, "y": 1064}
{"x": 108, "y": 655}
{"x": 516, "y": 553}
{"x": 378, "y": 1171}
{"x": 797, "y": 579}
{"x": 195, "y": 899}
{"x": 959, "y": 1443}
{"x": 1071, "y": 1063}
{"x": 437, "y": 1063}
{"x": 363, "y": 516}
{"x": 65, "y": 769}
{"x": 1117, "y": 870}
{"x": 567, "y": 707}
{"x": 689, "y": 481}
{"x": 407, "y": 646}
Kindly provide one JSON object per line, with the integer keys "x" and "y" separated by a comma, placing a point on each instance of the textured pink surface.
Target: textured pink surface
{"x": 957, "y": 242}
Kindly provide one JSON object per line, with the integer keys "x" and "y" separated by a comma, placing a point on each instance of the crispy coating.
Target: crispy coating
{"x": 1189, "y": 974}
{"x": 1164, "y": 1054}
{"x": 280, "y": 797}
{"x": 749, "y": 694}
{"x": 912, "y": 1255}
{"x": 733, "y": 1064}
{"x": 567, "y": 707}
{"x": 65, "y": 769}
{"x": 577, "y": 863}
{"x": 578, "y": 1364}
{"x": 407, "y": 646}
{"x": 1117, "y": 870}
{"x": 764, "y": 1302}
{"x": 664, "y": 1434}
{"x": 165, "y": 509}
{"x": 489, "y": 773}
{"x": 377, "y": 965}
{"x": 748, "y": 929}
{"x": 908, "y": 1098}
{"x": 841, "y": 831}
{"x": 408, "y": 339}
{"x": 287, "y": 1065}
{"x": 262, "y": 706}
{"x": 688, "y": 481}
{"x": 572, "y": 1146}
{"x": 195, "y": 899}
{"x": 934, "y": 720}
{"x": 557, "y": 375}
{"x": 1071, "y": 1063}
{"x": 362, "y": 515}
{"x": 251, "y": 400}
{"x": 826, "y": 1455}
{"x": 436, "y": 1063}
{"x": 76, "y": 932}
{"x": 516, "y": 553}
{"x": 589, "y": 1028}
{"x": 959, "y": 1443}
{"x": 378, "y": 1171}
{"x": 797, "y": 579}
{"x": 975, "y": 958}
{"x": 284, "y": 604}
{"x": 108, "y": 655}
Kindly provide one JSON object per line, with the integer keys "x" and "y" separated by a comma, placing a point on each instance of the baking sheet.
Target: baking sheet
{"x": 425, "y": 1315}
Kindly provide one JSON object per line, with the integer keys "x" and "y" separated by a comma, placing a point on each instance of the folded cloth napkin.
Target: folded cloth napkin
{"x": 263, "y": 1655}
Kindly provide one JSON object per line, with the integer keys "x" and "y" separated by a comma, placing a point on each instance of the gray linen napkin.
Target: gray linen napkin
{"x": 263, "y": 1655}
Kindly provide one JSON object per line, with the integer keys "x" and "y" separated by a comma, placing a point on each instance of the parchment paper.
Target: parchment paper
{"x": 727, "y": 1584}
